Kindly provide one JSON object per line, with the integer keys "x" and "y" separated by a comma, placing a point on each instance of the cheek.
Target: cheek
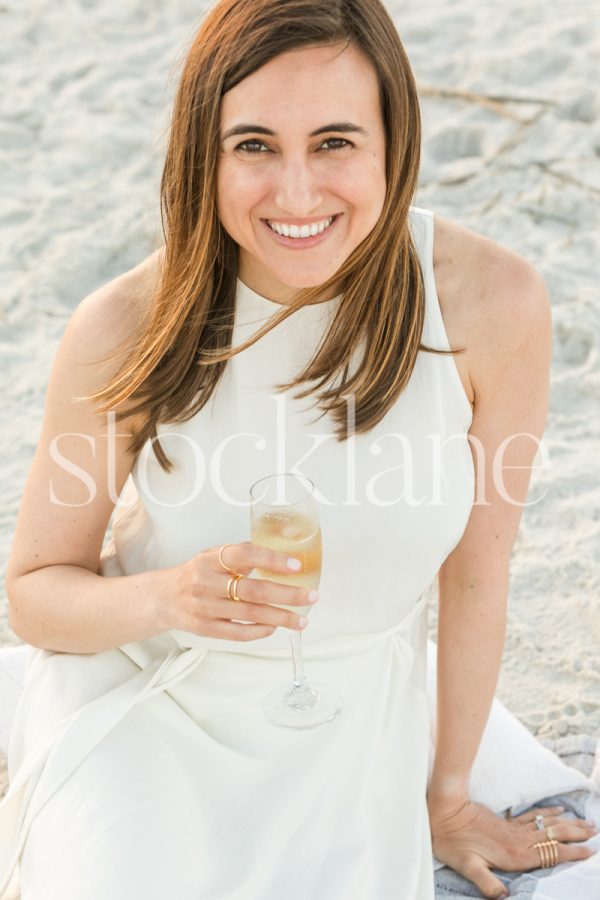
{"x": 239, "y": 190}
{"x": 376, "y": 198}
{"x": 362, "y": 183}
{"x": 370, "y": 181}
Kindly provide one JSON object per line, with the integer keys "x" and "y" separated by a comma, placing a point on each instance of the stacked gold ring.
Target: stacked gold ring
{"x": 233, "y": 582}
{"x": 548, "y": 851}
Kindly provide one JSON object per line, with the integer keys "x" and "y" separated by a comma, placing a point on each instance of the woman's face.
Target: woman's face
{"x": 277, "y": 169}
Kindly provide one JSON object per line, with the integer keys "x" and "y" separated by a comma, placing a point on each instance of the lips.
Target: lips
{"x": 299, "y": 242}
{"x": 303, "y": 229}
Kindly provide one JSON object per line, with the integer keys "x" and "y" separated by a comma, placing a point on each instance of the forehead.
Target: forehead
{"x": 312, "y": 81}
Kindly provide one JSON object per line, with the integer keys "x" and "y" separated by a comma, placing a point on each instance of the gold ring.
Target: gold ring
{"x": 233, "y": 594}
{"x": 543, "y": 852}
{"x": 227, "y": 569}
{"x": 551, "y": 833}
{"x": 548, "y": 851}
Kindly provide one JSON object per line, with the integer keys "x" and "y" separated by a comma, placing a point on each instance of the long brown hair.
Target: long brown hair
{"x": 172, "y": 370}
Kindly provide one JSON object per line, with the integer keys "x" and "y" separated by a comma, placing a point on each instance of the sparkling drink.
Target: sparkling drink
{"x": 285, "y": 517}
{"x": 295, "y": 534}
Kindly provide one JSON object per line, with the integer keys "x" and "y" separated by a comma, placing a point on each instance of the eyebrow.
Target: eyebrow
{"x": 342, "y": 127}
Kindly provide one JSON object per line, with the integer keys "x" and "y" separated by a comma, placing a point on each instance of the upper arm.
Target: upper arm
{"x": 509, "y": 348}
{"x": 77, "y": 471}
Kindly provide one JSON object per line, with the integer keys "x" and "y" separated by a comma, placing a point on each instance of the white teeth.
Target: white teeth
{"x": 301, "y": 231}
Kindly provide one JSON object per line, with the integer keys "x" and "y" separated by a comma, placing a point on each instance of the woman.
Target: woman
{"x": 140, "y": 763}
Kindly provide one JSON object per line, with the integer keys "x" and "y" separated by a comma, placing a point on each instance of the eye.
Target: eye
{"x": 247, "y": 144}
{"x": 339, "y": 141}
{"x": 252, "y": 146}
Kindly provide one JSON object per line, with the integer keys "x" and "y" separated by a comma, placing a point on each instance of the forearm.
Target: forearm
{"x": 73, "y": 610}
{"x": 471, "y": 632}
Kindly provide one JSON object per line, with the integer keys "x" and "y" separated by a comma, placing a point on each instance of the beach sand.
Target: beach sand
{"x": 511, "y": 150}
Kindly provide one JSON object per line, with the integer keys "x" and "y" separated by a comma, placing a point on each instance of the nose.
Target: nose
{"x": 297, "y": 192}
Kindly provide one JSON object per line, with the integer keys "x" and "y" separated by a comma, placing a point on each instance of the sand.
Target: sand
{"x": 511, "y": 149}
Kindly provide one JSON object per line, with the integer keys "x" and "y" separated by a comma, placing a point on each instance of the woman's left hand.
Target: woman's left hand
{"x": 471, "y": 839}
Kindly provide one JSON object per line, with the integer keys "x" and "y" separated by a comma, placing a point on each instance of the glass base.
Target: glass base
{"x": 305, "y": 707}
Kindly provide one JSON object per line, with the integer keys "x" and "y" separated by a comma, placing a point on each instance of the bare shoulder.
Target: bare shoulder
{"x": 118, "y": 310}
{"x": 493, "y": 301}
{"x": 107, "y": 322}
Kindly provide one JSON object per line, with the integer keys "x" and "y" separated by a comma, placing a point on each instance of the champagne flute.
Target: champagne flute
{"x": 285, "y": 517}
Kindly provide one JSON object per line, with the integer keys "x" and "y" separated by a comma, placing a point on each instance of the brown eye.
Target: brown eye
{"x": 246, "y": 144}
{"x": 339, "y": 141}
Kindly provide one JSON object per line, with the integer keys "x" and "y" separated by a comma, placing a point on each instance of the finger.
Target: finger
{"x": 566, "y": 853}
{"x": 531, "y": 826}
{"x": 247, "y": 556}
{"x": 553, "y": 820}
{"x": 572, "y": 852}
{"x": 476, "y": 870}
{"x": 584, "y": 827}
{"x": 255, "y": 590}
{"x": 530, "y": 815}
{"x": 544, "y": 811}
{"x": 257, "y": 613}
{"x": 234, "y": 631}
{"x": 570, "y": 831}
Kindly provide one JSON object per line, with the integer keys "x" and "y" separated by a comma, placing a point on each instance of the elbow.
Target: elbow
{"x": 16, "y": 604}
{"x": 10, "y": 586}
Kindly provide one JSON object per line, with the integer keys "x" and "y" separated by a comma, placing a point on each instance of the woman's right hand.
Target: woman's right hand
{"x": 200, "y": 603}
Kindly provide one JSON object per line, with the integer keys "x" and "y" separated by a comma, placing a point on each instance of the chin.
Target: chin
{"x": 306, "y": 279}
{"x": 301, "y": 283}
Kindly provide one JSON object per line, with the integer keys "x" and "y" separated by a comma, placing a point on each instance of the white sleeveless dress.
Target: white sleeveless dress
{"x": 148, "y": 771}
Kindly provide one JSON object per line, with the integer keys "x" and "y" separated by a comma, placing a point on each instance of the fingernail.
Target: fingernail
{"x": 294, "y": 564}
{"x": 313, "y": 597}
{"x": 590, "y": 822}
{"x": 302, "y": 621}
{"x": 560, "y": 808}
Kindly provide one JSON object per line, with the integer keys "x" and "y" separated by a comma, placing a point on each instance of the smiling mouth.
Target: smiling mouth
{"x": 301, "y": 232}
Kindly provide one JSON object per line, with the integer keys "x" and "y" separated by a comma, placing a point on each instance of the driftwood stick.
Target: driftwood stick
{"x": 568, "y": 179}
{"x": 496, "y": 103}
{"x": 515, "y": 138}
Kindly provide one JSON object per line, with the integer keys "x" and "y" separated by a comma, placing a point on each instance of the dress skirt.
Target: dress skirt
{"x": 166, "y": 780}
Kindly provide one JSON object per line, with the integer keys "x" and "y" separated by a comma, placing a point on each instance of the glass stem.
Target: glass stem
{"x": 296, "y": 642}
